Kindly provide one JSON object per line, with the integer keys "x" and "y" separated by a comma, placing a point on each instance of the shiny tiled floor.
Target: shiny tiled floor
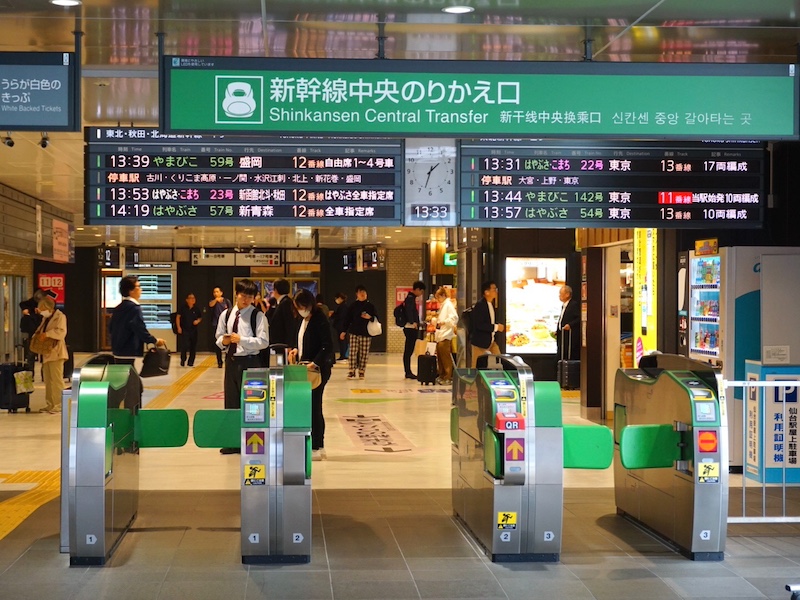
{"x": 382, "y": 525}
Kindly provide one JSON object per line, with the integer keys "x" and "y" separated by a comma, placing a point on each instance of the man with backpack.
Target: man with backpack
{"x": 409, "y": 317}
{"x": 241, "y": 343}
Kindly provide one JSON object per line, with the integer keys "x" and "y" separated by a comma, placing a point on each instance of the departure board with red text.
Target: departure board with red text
{"x": 138, "y": 176}
{"x": 611, "y": 184}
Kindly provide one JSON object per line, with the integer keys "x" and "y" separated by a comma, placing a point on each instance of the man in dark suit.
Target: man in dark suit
{"x": 484, "y": 323}
{"x": 283, "y": 324}
{"x": 569, "y": 326}
{"x": 412, "y": 326}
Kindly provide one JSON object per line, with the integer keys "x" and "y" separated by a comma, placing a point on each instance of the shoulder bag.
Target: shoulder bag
{"x": 40, "y": 344}
{"x": 155, "y": 362}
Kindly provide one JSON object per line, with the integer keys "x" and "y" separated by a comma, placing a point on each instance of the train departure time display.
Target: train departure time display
{"x": 138, "y": 176}
{"x": 611, "y": 184}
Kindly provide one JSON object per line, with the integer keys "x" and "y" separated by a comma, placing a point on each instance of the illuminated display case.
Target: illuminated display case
{"x": 532, "y": 303}
{"x": 704, "y": 307}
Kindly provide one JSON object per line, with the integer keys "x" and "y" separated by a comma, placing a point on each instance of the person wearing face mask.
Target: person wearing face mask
{"x": 53, "y": 327}
{"x": 315, "y": 350}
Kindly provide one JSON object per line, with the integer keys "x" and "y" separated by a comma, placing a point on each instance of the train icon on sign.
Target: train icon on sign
{"x": 239, "y": 99}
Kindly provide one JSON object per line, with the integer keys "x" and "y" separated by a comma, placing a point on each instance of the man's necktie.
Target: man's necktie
{"x": 234, "y": 329}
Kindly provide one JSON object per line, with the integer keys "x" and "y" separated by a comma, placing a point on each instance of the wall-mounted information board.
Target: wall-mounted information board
{"x": 477, "y": 99}
{"x": 611, "y": 184}
{"x": 39, "y": 91}
{"x": 138, "y": 176}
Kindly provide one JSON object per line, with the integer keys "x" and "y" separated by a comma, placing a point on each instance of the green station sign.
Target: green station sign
{"x": 322, "y": 97}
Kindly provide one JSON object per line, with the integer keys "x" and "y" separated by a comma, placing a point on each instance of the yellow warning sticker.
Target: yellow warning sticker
{"x": 506, "y": 520}
{"x": 273, "y": 387}
{"x": 273, "y": 409}
{"x": 708, "y": 472}
{"x": 255, "y": 474}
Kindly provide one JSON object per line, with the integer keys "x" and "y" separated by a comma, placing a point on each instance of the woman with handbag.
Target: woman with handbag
{"x": 49, "y": 342}
{"x": 359, "y": 313}
{"x": 315, "y": 350}
{"x": 446, "y": 322}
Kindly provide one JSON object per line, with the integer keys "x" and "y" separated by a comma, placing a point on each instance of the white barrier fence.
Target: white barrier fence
{"x": 770, "y": 480}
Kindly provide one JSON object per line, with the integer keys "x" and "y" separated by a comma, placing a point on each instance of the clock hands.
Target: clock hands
{"x": 429, "y": 174}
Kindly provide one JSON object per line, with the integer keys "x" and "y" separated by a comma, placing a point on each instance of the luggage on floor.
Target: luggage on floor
{"x": 426, "y": 368}
{"x": 10, "y": 400}
{"x": 568, "y": 371}
{"x": 569, "y": 374}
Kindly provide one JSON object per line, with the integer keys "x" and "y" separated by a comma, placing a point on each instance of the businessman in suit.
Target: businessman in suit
{"x": 569, "y": 326}
{"x": 484, "y": 323}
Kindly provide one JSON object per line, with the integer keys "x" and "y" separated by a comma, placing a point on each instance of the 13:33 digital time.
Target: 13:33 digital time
{"x": 424, "y": 212}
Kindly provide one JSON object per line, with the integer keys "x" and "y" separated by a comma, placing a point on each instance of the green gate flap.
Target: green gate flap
{"x": 492, "y": 457}
{"x": 218, "y": 428}
{"x": 297, "y": 401}
{"x": 649, "y": 446}
{"x": 121, "y": 420}
{"x": 547, "y": 404}
{"x": 454, "y": 425}
{"x": 162, "y": 428}
{"x": 92, "y": 404}
{"x": 588, "y": 447}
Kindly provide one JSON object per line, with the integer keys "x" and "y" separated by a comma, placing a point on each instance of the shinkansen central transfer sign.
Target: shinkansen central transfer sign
{"x": 477, "y": 98}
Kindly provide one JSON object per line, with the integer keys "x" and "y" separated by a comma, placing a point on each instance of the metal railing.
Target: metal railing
{"x": 770, "y": 479}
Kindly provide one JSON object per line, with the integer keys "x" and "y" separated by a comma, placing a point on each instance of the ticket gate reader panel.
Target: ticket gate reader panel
{"x": 276, "y": 478}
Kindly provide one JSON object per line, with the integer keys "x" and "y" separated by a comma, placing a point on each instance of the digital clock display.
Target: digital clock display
{"x": 138, "y": 176}
{"x": 611, "y": 184}
{"x": 430, "y": 212}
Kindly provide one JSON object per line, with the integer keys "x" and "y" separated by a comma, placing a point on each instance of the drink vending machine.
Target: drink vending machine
{"x": 722, "y": 302}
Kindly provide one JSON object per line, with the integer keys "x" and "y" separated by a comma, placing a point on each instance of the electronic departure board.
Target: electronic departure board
{"x": 609, "y": 184}
{"x": 138, "y": 176}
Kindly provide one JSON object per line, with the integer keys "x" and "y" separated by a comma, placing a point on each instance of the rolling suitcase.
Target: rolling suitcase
{"x": 568, "y": 371}
{"x": 426, "y": 368}
{"x": 10, "y": 400}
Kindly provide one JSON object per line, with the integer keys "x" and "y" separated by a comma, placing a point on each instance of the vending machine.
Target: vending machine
{"x": 704, "y": 299}
{"x": 724, "y": 319}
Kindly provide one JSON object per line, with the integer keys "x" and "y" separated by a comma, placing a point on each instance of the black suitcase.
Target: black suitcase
{"x": 10, "y": 400}
{"x": 568, "y": 372}
{"x": 426, "y": 369}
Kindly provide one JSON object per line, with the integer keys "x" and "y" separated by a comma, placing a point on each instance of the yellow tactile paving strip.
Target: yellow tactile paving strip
{"x": 15, "y": 510}
{"x": 165, "y": 398}
{"x": 48, "y": 483}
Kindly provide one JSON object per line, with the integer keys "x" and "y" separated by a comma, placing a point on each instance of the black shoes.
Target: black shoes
{"x": 410, "y": 376}
{"x": 230, "y": 451}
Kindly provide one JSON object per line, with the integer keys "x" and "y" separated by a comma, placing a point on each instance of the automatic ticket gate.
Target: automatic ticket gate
{"x": 273, "y": 430}
{"x": 107, "y": 428}
{"x": 671, "y": 452}
{"x": 509, "y": 451}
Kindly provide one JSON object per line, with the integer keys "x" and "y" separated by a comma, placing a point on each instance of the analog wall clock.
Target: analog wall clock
{"x": 430, "y": 183}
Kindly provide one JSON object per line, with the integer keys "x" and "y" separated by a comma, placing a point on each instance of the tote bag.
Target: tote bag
{"x": 374, "y": 327}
